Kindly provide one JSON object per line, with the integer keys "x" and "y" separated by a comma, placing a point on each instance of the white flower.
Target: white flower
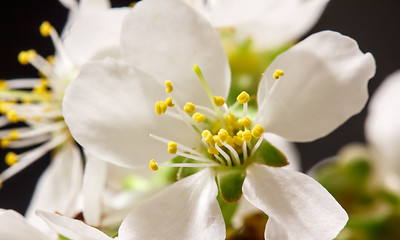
{"x": 383, "y": 129}
{"x": 110, "y": 111}
{"x": 268, "y": 23}
{"x": 91, "y": 33}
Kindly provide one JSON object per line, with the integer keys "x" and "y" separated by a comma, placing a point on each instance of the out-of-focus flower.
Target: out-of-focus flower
{"x": 92, "y": 32}
{"x": 323, "y": 84}
{"x": 383, "y": 129}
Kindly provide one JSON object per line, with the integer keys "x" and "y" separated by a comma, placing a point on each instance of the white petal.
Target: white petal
{"x": 14, "y": 227}
{"x": 287, "y": 148}
{"x": 383, "y": 123}
{"x": 298, "y": 206}
{"x": 71, "y": 228}
{"x": 186, "y": 210}
{"x": 325, "y": 83}
{"x": 94, "y": 181}
{"x": 94, "y": 5}
{"x": 269, "y": 23}
{"x": 166, "y": 39}
{"x": 109, "y": 109}
{"x": 59, "y": 187}
{"x": 94, "y": 35}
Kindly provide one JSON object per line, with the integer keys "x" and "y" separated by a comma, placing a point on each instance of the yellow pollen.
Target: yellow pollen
{"x": 257, "y": 131}
{"x": 172, "y": 147}
{"x": 278, "y": 73}
{"x": 161, "y": 107}
{"x": 13, "y": 134}
{"x": 246, "y": 136}
{"x": 243, "y": 97}
{"x": 219, "y": 101}
{"x": 168, "y": 86}
{"x": 237, "y": 140}
{"x": 169, "y": 102}
{"x": 3, "y": 85}
{"x": 4, "y": 143}
{"x": 239, "y": 133}
{"x": 46, "y": 29}
{"x": 223, "y": 134}
{"x": 189, "y": 108}
{"x": 11, "y": 158}
{"x": 246, "y": 122}
{"x": 212, "y": 150}
{"x": 25, "y": 56}
{"x": 198, "y": 117}
{"x": 153, "y": 165}
{"x": 50, "y": 59}
{"x": 217, "y": 140}
{"x": 12, "y": 116}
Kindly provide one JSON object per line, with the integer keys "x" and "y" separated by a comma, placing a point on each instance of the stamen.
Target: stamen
{"x": 243, "y": 97}
{"x": 223, "y": 153}
{"x": 180, "y": 146}
{"x": 153, "y": 165}
{"x": 11, "y": 158}
{"x": 257, "y": 131}
{"x": 257, "y": 145}
{"x": 25, "y": 57}
{"x": 189, "y": 108}
{"x": 246, "y": 136}
{"x": 278, "y": 73}
{"x": 246, "y": 122}
{"x": 195, "y": 165}
{"x": 172, "y": 147}
{"x": 46, "y": 29}
{"x": 161, "y": 107}
{"x": 198, "y": 117}
{"x": 212, "y": 150}
{"x": 219, "y": 101}
{"x": 234, "y": 153}
{"x": 169, "y": 87}
{"x": 169, "y": 102}
{"x": 12, "y": 116}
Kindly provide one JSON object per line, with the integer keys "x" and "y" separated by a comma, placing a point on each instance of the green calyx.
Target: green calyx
{"x": 230, "y": 181}
{"x": 269, "y": 155}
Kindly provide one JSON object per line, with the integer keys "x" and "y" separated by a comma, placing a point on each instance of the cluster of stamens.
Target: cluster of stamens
{"x": 228, "y": 140}
{"x": 39, "y": 108}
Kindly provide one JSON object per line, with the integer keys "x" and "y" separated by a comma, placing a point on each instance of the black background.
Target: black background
{"x": 375, "y": 24}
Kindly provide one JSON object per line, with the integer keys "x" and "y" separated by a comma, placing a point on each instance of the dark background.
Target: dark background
{"x": 375, "y": 24}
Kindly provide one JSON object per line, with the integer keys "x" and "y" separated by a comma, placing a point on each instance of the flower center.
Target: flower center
{"x": 226, "y": 140}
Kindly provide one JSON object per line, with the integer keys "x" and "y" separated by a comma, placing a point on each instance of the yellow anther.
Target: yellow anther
{"x": 169, "y": 102}
{"x": 172, "y": 147}
{"x": 11, "y": 158}
{"x": 132, "y": 4}
{"x": 205, "y": 133}
{"x": 229, "y": 140}
{"x": 25, "y": 56}
{"x": 278, "y": 73}
{"x": 4, "y": 143}
{"x": 257, "y": 131}
{"x": 12, "y": 116}
{"x": 161, "y": 107}
{"x": 217, "y": 140}
{"x": 13, "y": 135}
{"x": 246, "y": 136}
{"x": 3, "y": 85}
{"x": 230, "y": 119}
{"x": 219, "y": 101}
{"x": 239, "y": 133}
{"x": 212, "y": 150}
{"x": 223, "y": 134}
{"x": 198, "y": 117}
{"x": 243, "y": 97}
{"x": 189, "y": 108}
{"x": 168, "y": 86}
{"x": 1, "y": 184}
{"x": 153, "y": 165}
{"x": 4, "y": 107}
{"x": 46, "y": 29}
{"x": 237, "y": 140}
{"x": 50, "y": 59}
{"x": 246, "y": 122}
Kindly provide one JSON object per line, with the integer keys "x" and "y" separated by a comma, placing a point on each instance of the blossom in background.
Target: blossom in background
{"x": 382, "y": 129}
{"x": 110, "y": 111}
{"x": 91, "y": 32}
